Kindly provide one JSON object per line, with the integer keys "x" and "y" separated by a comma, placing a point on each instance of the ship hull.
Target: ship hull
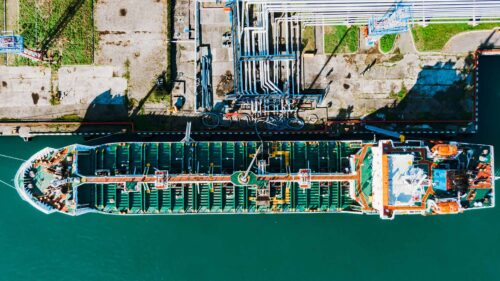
{"x": 174, "y": 178}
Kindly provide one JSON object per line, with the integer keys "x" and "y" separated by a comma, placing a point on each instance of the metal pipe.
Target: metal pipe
{"x": 282, "y": 20}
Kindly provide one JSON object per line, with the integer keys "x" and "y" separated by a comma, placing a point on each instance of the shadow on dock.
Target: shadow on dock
{"x": 441, "y": 93}
{"x": 442, "y": 98}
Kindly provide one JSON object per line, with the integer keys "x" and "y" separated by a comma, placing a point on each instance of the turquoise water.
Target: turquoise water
{"x": 34, "y": 246}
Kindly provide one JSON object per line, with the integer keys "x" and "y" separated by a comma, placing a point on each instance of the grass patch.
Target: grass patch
{"x": 399, "y": 96}
{"x": 2, "y": 12}
{"x": 308, "y": 39}
{"x": 126, "y": 75}
{"x": 335, "y": 43}
{"x": 397, "y": 56}
{"x": 131, "y": 103}
{"x": 54, "y": 99}
{"x": 159, "y": 96}
{"x": 434, "y": 36}
{"x": 74, "y": 44}
{"x": 387, "y": 42}
{"x": 69, "y": 118}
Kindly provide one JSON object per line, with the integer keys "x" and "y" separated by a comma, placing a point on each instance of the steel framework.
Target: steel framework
{"x": 11, "y": 44}
{"x": 266, "y": 40}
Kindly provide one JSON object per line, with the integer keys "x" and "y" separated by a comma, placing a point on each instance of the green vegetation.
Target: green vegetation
{"x": 402, "y": 93}
{"x": 74, "y": 44}
{"x": 468, "y": 66}
{"x": 70, "y": 118}
{"x": 54, "y": 100}
{"x": 126, "y": 75}
{"x": 341, "y": 39}
{"x": 399, "y": 96}
{"x": 396, "y": 57}
{"x": 308, "y": 39}
{"x": 159, "y": 96}
{"x": 387, "y": 42}
{"x": 9, "y": 120}
{"x": 131, "y": 103}
{"x": 2, "y": 11}
{"x": 434, "y": 36}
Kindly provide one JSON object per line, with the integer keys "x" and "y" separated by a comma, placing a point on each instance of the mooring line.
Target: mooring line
{"x": 106, "y": 136}
{"x": 12, "y": 157}
{"x": 7, "y": 184}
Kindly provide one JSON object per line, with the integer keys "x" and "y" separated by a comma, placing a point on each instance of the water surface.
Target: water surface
{"x": 34, "y": 246}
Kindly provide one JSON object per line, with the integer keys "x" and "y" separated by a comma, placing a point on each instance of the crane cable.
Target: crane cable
{"x": 7, "y": 184}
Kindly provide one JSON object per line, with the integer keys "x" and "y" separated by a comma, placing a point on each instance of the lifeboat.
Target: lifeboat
{"x": 445, "y": 150}
{"x": 451, "y": 207}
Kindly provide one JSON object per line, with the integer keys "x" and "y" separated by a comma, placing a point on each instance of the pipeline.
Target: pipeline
{"x": 268, "y": 84}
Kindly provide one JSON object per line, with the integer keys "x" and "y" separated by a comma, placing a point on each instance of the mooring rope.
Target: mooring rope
{"x": 106, "y": 136}
{"x": 12, "y": 157}
{"x": 7, "y": 184}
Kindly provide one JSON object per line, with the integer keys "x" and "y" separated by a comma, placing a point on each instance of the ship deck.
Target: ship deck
{"x": 131, "y": 167}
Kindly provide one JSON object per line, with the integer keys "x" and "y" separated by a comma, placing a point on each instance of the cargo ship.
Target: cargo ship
{"x": 384, "y": 178}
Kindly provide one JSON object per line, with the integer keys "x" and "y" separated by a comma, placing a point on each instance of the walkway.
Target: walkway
{"x": 194, "y": 178}
{"x": 471, "y": 41}
{"x": 12, "y": 25}
{"x": 405, "y": 43}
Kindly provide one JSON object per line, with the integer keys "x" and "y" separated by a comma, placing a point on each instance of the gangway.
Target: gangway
{"x": 395, "y": 21}
{"x": 385, "y": 132}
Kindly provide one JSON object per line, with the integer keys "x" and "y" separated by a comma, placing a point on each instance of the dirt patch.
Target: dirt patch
{"x": 135, "y": 35}
{"x": 225, "y": 85}
{"x": 106, "y": 32}
{"x": 411, "y": 87}
{"x": 19, "y": 86}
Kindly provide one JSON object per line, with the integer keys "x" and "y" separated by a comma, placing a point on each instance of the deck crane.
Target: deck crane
{"x": 244, "y": 177}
